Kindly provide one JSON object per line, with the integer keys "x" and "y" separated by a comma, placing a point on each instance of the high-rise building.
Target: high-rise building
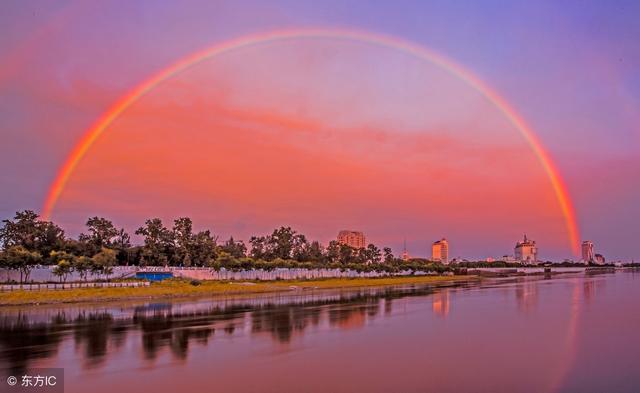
{"x": 587, "y": 251}
{"x": 526, "y": 251}
{"x": 354, "y": 239}
{"x": 440, "y": 251}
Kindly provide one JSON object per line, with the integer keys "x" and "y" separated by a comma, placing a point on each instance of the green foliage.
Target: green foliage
{"x": 65, "y": 263}
{"x": 20, "y": 259}
{"x": 101, "y": 234}
{"x": 158, "y": 243}
{"x": 388, "y": 256}
{"x": 77, "y": 247}
{"x": 237, "y": 249}
{"x": 83, "y": 265}
{"x": 203, "y": 248}
{"x": 283, "y": 243}
{"x": 332, "y": 253}
{"x": 103, "y": 262}
{"x": 373, "y": 254}
{"x": 32, "y": 234}
{"x": 55, "y": 257}
{"x": 63, "y": 269}
{"x": 25, "y": 239}
{"x": 182, "y": 236}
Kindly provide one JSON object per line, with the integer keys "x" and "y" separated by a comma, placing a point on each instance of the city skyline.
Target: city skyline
{"x": 525, "y": 251}
{"x": 427, "y": 139}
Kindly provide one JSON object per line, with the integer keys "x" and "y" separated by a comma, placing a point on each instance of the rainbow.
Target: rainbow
{"x": 102, "y": 123}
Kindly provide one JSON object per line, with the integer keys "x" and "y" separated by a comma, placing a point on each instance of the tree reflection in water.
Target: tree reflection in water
{"x": 22, "y": 341}
{"x": 27, "y": 336}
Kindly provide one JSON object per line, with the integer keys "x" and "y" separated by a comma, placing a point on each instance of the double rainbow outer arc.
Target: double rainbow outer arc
{"x": 102, "y": 123}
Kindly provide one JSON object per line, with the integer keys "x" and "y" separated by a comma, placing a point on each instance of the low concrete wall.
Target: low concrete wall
{"x": 45, "y": 274}
{"x": 278, "y": 274}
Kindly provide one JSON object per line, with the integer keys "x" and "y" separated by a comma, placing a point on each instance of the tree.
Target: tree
{"x": 236, "y": 249}
{"x": 4, "y": 262}
{"x": 56, "y": 256}
{"x": 203, "y": 248}
{"x": 314, "y": 252}
{"x": 77, "y": 247}
{"x": 64, "y": 264}
{"x": 63, "y": 269}
{"x": 50, "y": 237}
{"x": 20, "y": 259}
{"x": 388, "y": 255}
{"x": 122, "y": 244}
{"x": 82, "y": 265}
{"x": 158, "y": 242}
{"x": 101, "y": 232}
{"x": 34, "y": 235}
{"x": 299, "y": 247}
{"x": 280, "y": 243}
{"x": 183, "y": 240}
{"x": 332, "y": 253}
{"x": 21, "y": 231}
{"x": 347, "y": 254}
{"x": 258, "y": 247}
{"x": 373, "y": 254}
{"x": 283, "y": 242}
{"x": 103, "y": 262}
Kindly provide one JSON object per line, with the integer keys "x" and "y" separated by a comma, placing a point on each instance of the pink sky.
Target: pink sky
{"x": 309, "y": 133}
{"x": 359, "y": 137}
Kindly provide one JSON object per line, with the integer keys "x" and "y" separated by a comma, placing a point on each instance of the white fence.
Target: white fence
{"x": 528, "y": 270}
{"x": 72, "y": 285}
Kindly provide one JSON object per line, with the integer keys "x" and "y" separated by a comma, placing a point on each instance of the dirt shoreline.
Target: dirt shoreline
{"x": 171, "y": 289}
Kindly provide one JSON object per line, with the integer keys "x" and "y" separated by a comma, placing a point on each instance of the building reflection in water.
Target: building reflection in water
{"x": 98, "y": 332}
{"x": 591, "y": 287}
{"x": 440, "y": 303}
{"x": 527, "y": 295}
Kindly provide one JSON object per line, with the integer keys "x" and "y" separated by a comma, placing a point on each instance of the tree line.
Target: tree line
{"x": 27, "y": 241}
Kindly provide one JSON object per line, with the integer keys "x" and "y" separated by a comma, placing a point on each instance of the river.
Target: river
{"x": 566, "y": 333}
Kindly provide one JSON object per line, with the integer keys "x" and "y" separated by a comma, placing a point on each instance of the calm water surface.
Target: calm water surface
{"x": 573, "y": 333}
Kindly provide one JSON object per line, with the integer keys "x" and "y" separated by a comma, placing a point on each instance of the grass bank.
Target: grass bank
{"x": 182, "y": 288}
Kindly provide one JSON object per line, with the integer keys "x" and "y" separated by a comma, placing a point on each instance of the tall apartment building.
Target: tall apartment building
{"x": 440, "y": 251}
{"x": 354, "y": 239}
{"x": 587, "y": 251}
{"x": 526, "y": 251}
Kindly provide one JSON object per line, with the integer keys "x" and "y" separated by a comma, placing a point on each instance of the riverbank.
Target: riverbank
{"x": 183, "y": 288}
